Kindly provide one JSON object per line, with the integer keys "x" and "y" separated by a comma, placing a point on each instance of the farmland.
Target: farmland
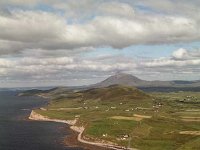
{"x": 131, "y": 118}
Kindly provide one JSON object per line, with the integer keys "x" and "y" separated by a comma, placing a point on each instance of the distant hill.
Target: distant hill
{"x": 31, "y": 92}
{"x": 113, "y": 92}
{"x": 124, "y": 80}
{"x": 50, "y": 93}
{"x": 130, "y": 80}
{"x": 110, "y": 93}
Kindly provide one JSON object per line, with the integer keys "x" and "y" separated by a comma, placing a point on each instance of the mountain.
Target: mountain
{"x": 125, "y": 80}
{"x": 130, "y": 80}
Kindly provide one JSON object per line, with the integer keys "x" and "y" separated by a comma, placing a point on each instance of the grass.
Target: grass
{"x": 191, "y": 145}
{"x": 110, "y": 127}
{"x": 126, "y": 118}
{"x": 149, "y": 144}
{"x": 151, "y": 122}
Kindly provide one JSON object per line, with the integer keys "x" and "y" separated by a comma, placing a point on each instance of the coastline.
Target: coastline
{"x": 38, "y": 117}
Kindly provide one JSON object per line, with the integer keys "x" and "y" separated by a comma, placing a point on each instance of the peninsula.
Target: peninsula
{"x": 124, "y": 117}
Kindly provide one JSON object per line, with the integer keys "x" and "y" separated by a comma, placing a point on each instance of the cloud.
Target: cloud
{"x": 29, "y": 26}
{"x": 179, "y": 58}
{"x": 183, "y": 54}
{"x": 163, "y": 62}
{"x": 18, "y": 2}
{"x": 47, "y": 40}
{"x": 31, "y": 67}
{"x": 4, "y": 63}
{"x": 180, "y": 54}
{"x": 173, "y": 7}
{"x": 116, "y": 9}
{"x": 73, "y": 67}
{"x": 118, "y": 27}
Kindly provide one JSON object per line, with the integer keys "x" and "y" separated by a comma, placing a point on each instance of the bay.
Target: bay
{"x": 19, "y": 133}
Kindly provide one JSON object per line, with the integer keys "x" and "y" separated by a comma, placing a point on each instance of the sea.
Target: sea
{"x": 19, "y": 133}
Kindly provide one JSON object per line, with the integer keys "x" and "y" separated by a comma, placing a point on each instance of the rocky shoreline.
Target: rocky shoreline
{"x": 38, "y": 117}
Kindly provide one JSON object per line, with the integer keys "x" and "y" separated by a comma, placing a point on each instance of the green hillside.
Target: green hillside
{"x": 114, "y": 92}
{"x": 131, "y": 118}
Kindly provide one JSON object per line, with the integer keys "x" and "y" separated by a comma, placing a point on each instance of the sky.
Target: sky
{"x": 81, "y": 42}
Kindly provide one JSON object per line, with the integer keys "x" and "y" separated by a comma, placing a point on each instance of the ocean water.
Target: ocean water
{"x": 18, "y": 133}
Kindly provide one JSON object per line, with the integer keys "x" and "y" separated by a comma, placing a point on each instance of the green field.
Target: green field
{"x": 132, "y": 118}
